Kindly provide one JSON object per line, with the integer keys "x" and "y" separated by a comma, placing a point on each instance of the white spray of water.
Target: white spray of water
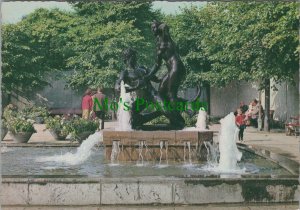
{"x": 226, "y": 151}
{"x": 201, "y": 122}
{"x": 229, "y": 153}
{"x": 82, "y": 154}
{"x": 124, "y": 117}
{"x": 115, "y": 152}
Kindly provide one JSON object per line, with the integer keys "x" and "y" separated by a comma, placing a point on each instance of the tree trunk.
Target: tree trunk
{"x": 259, "y": 120}
{"x": 267, "y": 105}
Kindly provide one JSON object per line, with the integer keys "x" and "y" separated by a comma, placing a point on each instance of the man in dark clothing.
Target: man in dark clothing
{"x": 98, "y": 106}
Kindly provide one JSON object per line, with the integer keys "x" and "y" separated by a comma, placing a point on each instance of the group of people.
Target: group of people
{"x": 91, "y": 110}
{"x": 247, "y": 115}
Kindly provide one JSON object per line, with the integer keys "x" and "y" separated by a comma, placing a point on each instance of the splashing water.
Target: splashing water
{"x": 141, "y": 158}
{"x": 201, "y": 120}
{"x": 229, "y": 153}
{"x": 161, "y": 145}
{"x": 212, "y": 153}
{"x": 82, "y": 154}
{"x": 115, "y": 152}
{"x": 124, "y": 117}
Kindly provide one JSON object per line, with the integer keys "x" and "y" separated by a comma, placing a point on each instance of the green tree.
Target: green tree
{"x": 253, "y": 42}
{"x": 98, "y": 35}
{"x": 33, "y": 49}
{"x": 240, "y": 41}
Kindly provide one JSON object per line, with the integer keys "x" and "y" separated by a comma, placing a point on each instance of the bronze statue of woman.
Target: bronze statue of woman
{"x": 166, "y": 50}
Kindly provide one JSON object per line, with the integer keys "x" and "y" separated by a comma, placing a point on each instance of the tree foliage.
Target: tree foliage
{"x": 218, "y": 43}
{"x": 32, "y": 49}
{"x": 99, "y": 34}
{"x": 224, "y": 42}
{"x": 87, "y": 42}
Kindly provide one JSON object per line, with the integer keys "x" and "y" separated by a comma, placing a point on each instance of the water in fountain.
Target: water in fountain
{"x": 187, "y": 145}
{"x": 124, "y": 117}
{"x": 201, "y": 122}
{"x": 229, "y": 153}
{"x": 166, "y": 145}
{"x": 115, "y": 152}
{"x": 190, "y": 154}
{"x": 82, "y": 154}
{"x": 141, "y": 158}
{"x": 212, "y": 153}
{"x": 161, "y": 145}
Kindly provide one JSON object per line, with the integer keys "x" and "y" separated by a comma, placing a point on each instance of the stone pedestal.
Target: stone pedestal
{"x": 156, "y": 145}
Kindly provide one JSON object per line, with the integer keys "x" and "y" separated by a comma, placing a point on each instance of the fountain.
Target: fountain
{"x": 201, "y": 120}
{"x": 175, "y": 173}
{"x": 229, "y": 153}
{"x": 124, "y": 123}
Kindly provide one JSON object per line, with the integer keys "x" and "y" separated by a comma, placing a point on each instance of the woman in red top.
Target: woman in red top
{"x": 240, "y": 122}
{"x": 87, "y": 104}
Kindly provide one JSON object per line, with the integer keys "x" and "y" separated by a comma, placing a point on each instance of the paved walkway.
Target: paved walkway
{"x": 277, "y": 142}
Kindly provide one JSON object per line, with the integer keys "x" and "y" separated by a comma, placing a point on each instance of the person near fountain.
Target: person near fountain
{"x": 243, "y": 107}
{"x": 240, "y": 122}
{"x": 87, "y": 104}
{"x": 252, "y": 113}
{"x": 98, "y": 106}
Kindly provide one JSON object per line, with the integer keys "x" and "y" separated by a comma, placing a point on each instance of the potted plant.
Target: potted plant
{"x": 81, "y": 128}
{"x": 21, "y": 129}
{"x": 59, "y": 127}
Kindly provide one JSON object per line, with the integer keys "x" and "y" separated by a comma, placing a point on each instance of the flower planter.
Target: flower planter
{"x": 83, "y": 136}
{"x": 57, "y": 136}
{"x": 21, "y": 137}
{"x": 3, "y": 132}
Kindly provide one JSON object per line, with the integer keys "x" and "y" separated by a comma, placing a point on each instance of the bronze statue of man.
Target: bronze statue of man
{"x": 139, "y": 79}
{"x": 166, "y": 50}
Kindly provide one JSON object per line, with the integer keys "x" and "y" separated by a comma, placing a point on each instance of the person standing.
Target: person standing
{"x": 98, "y": 106}
{"x": 243, "y": 107}
{"x": 240, "y": 122}
{"x": 87, "y": 104}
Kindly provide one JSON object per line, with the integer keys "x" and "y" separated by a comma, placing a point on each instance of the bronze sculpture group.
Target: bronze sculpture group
{"x": 139, "y": 79}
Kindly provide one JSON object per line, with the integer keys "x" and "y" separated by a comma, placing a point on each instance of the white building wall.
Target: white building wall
{"x": 284, "y": 102}
{"x": 227, "y": 99}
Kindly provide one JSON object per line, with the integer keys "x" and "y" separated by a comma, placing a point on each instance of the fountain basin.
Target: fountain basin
{"x": 146, "y": 190}
{"x": 25, "y": 181}
{"x": 156, "y": 145}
